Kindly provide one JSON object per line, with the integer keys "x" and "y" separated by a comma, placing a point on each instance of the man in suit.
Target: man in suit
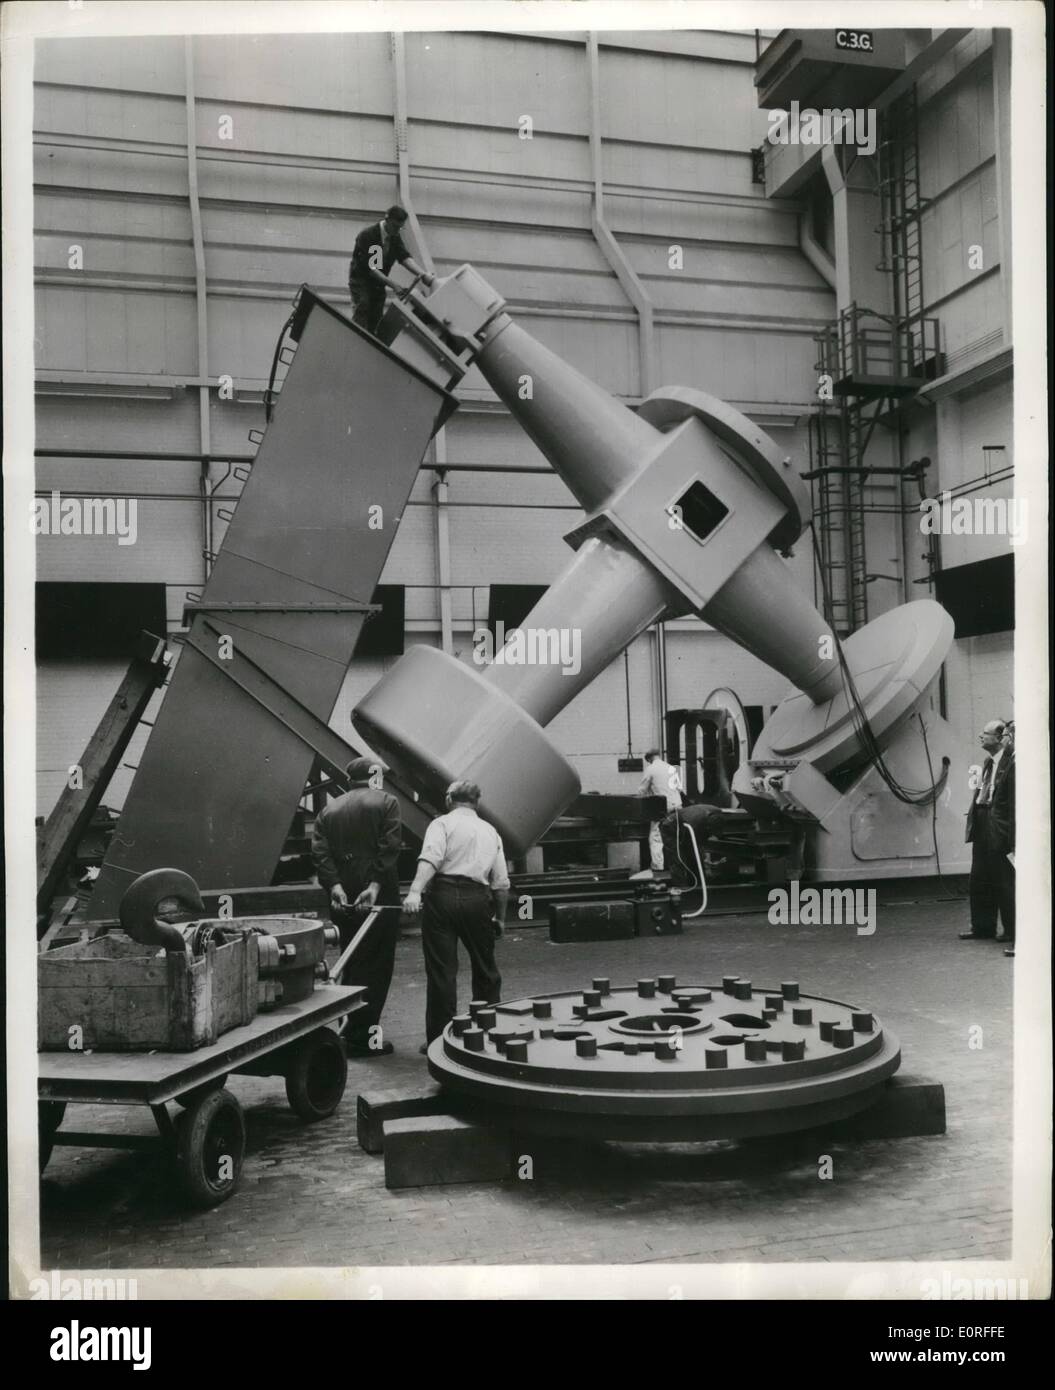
{"x": 377, "y": 249}
{"x": 355, "y": 847}
{"x": 991, "y": 835}
{"x": 1009, "y": 743}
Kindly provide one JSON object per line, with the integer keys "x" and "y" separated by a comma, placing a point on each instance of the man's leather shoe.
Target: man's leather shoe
{"x": 973, "y": 936}
{"x": 1010, "y": 951}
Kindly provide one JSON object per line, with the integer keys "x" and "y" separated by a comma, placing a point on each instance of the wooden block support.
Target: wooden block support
{"x": 431, "y": 1150}
{"x": 909, "y": 1106}
{"x": 395, "y": 1103}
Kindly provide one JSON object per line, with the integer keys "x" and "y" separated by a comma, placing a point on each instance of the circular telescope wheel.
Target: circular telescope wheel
{"x": 662, "y": 1061}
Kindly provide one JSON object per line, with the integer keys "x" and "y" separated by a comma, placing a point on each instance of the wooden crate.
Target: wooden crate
{"x": 114, "y": 995}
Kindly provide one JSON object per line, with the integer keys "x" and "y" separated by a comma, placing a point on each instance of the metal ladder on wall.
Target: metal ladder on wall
{"x": 901, "y": 207}
{"x": 838, "y": 436}
{"x": 841, "y": 429}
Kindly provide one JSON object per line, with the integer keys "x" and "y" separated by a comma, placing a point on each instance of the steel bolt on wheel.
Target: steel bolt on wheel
{"x": 663, "y": 1060}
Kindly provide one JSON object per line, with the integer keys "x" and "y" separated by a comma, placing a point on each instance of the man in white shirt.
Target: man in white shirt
{"x": 660, "y": 779}
{"x": 463, "y": 866}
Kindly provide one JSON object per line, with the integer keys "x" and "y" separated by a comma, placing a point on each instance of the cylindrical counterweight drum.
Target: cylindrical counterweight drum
{"x": 695, "y": 1063}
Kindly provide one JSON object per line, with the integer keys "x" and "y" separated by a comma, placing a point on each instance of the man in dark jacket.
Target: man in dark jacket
{"x": 355, "y": 848}
{"x": 377, "y": 249}
{"x": 991, "y": 835}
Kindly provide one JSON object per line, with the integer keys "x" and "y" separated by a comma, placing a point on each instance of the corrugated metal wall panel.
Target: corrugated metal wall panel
{"x": 244, "y": 130}
{"x": 656, "y": 99}
{"x": 72, "y": 697}
{"x": 591, "y": 731}
{"x": 494, "y": 79}
{"x": 738, "y": 223}
{"x": 501, "y": 151}
{"x": 697, "y": 662}
{"x": 167, "y": 549}
{"x": 356, "y": 189}
{"x": 457, "y": 197}
{"x": 530, "y": 545}
{"x": 972, "y": 317}
{"x": 726, "y": 361}
{"x": 141, "y": 117}
{"x": 123, "y": 424}
{"x": 687, "y": 170}
{"x": 349, "y": 74}
{"x": 980, "y": 684}
{"x": 100, "y": 329}
{"x": 137, "y": 64}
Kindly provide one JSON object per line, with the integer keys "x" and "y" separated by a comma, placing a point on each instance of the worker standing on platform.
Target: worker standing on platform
{"x": 462, "y": 864}
{"x": 660, "y": 779}
{"x": 355, "y": 848}
{"x": 377, "y": 249}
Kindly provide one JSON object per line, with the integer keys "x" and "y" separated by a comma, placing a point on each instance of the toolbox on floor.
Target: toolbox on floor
{"x": 612, "y": 921}
{"x": 112, "y": 994}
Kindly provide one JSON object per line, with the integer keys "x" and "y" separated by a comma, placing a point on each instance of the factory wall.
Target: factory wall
{"x": 964, "y": 422}
{"x": 295, "y": 143}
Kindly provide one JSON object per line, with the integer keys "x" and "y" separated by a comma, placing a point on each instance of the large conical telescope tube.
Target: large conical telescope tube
{"x": 687, "y": 506}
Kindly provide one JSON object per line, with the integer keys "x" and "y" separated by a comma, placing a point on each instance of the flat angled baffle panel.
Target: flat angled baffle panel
{"x": 276, "y": 627}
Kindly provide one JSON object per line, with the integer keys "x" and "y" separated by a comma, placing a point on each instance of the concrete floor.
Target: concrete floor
{"x": 309, "y": 1196}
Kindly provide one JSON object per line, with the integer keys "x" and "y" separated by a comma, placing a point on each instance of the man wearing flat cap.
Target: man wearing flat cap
{"x": 355, "y": 847}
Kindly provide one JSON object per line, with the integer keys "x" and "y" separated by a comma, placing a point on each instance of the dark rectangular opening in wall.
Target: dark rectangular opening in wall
{"x": 980, "y": 597}
{"x": 511, "y": 603}
{"x": 383, "y": 633}
{"x": 700, "y": 511}
{"x": 96, "y": 619}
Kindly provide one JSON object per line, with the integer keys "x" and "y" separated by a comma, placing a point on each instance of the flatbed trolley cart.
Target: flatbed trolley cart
{"x": 207, "y": 1140}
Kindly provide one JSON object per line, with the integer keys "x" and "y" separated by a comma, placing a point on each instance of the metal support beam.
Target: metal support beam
{"x": 201, "y": 304}
{"x": 440, "y": 493}
{"x": 439, "y": 487}
{"x": 399, "y": 67}
{"x": 58, "y": 838}
{"x": 1002, "y": 122}
{"x": 609, "y": 247}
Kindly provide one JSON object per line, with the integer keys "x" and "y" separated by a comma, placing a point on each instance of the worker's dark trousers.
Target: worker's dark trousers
{"x": 992, "y": 885}
{"x": 368, "y": 303}
{"x": 373, "y": 962}
{"x": 456, "y": 911}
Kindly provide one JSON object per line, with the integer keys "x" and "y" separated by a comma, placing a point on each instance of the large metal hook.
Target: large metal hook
{"x": 171, "y": 889}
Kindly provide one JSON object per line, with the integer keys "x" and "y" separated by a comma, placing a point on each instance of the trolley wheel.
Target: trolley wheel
{"x": 210, "y": 1147}
{"x": 49, "y": 1116}
{"x": 189, "y": 1097}
{"x": 316, "y": 1075}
